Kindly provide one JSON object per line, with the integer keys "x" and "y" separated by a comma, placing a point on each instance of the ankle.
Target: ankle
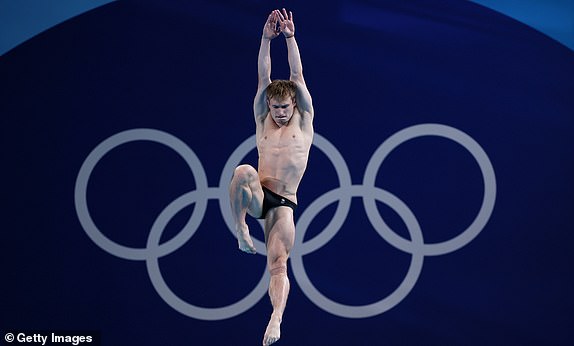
{"x": 276, "y": 317}
{"x": 241, "y": 227}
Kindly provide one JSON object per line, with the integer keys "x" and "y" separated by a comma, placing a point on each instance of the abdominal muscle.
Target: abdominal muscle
{"x": 282, "y": 162}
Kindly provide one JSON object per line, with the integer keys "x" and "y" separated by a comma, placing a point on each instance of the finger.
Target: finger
{"x": 285, "y": 14}
{"x": 281, "y": 15}
{"x": 291, "y": 16}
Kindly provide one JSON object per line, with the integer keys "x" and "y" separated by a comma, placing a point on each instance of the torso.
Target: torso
{"x": 283, "y": 154}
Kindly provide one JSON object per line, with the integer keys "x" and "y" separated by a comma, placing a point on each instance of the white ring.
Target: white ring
{"x": 384, "y": 304}
{"x": 152, "y": 263}
{"x": 488, "y": 200}
{"x": 80, "y": 196}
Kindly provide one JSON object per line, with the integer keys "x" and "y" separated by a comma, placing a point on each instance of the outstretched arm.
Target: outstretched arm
{"x": 270, "y": 31}
{"x": 304, "y": 101}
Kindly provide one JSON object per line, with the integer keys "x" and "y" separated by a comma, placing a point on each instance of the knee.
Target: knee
{"x": 244, "y": 174}
{"x": 278, "y": 267}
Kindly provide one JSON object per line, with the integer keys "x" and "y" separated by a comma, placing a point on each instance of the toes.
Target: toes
{"x": 250, "y": 250}
{"x": 270, "y": 340}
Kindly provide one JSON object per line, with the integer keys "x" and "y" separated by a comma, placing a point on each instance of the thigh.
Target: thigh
{"x": 279, "y": 233}
{"x": 255, "y": 206}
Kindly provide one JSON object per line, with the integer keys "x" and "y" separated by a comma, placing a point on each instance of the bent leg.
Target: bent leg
{"x": 279, "y": 243}
{"x": 246, "y": 196}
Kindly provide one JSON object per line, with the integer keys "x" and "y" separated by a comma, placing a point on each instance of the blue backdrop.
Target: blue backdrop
{"x": 436, "y": 208}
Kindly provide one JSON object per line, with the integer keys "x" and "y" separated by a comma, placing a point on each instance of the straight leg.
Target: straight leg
{"x": 279, "y": 243}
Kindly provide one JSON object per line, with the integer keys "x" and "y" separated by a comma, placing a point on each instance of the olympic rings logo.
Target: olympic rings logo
{"x": 343, "y": 194}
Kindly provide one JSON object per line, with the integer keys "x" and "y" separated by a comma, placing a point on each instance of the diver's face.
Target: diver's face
{"x": 281, "y": 109}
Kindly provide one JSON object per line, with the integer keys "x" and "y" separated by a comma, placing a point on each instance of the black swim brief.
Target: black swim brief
{"x": 272, "y": 200}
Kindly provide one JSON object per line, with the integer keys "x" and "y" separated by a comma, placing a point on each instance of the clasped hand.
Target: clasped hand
{"x": 279, "y": 22}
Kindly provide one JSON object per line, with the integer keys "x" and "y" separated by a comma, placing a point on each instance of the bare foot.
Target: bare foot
{"x": 244, "y": 240}
{"x": 273, "y": 332}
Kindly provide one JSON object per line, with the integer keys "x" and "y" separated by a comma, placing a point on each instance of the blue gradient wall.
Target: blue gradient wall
{"x": 436, "y": 208}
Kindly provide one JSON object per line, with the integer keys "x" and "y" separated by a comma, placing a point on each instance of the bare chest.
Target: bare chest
{"x": 287, "y": 140}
